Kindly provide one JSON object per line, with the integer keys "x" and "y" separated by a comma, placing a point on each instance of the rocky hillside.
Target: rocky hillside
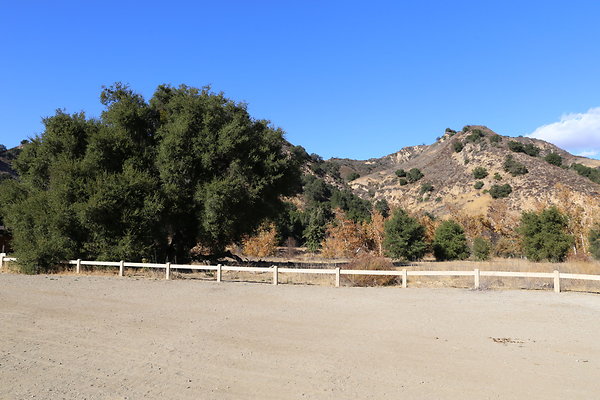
{"x": 448, "y": 184}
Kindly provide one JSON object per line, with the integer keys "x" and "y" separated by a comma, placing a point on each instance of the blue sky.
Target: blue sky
{"x": 344, "y": 79}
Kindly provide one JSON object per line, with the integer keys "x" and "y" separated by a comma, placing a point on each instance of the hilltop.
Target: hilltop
{"x": 447, "y": 186}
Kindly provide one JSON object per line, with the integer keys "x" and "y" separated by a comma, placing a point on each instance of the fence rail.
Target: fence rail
{"x": 556, "y": 276}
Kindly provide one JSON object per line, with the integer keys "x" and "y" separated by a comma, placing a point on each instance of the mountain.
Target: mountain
{"x": 448, "y": 183}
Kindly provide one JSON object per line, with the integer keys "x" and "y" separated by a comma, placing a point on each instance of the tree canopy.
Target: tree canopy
{"x": 449, "y": 242}
{"x": 544, "y": 235}
{"x": 146, "y": 179}
{"x": 404, "y": 237}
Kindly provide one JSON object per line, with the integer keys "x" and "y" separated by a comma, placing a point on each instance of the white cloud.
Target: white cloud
{"x": 578, "y": 133}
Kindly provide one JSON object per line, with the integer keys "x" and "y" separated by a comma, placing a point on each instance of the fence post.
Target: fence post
{"x": 219, "y": 272}
{"x": 78, "y": 267}
{"x": 168, "y": 271}
{"x": 556, "y": 281}
{"x": 121, "y": 267}
{"x": 275, "y": 275}
{"x": 2, "y": 260}
{"x": 337, "y": 276}
{"x": 404, "y": 278}
{"x": 476, "y": 277}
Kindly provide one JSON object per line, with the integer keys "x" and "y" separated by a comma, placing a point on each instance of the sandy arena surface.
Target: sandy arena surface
{"x": 67, "y": 337}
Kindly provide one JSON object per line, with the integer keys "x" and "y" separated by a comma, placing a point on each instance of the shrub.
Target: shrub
{"x": 531, "y": 150}
{"x": 371, "y": 263}
{"x": 594, "y": 238}
{"x": 478, "y": 185}
{"x": 544, "y": 236}
{"x": 402, "y": 181}
{"x": 449, "y": 242}
{"x": 513, "y": 167}
{"x": 475, "y": 136}
{"x": 458, "y": 146}
{"x": 414, "y": 175}
{"x": 554, "y": 159}
{"x": 497, "y": 176}
{"x": 425, "y": 188}
{"x": 450, "y": 132}
{"x": 507, "y": 248}
{"x": 404, "y": 237}
{"x": 352, "y": 176}
{"x": 495, "y": 139}
{"x": 528, "y": 148}
{"x": 400, "y": 173}
{"x": 590, "y": 173}
{"x": 500, "y": 191}
{"x": 263, "y": 243}
{"x": 515, "y": 146}
{"x": 480, "y": 173}
{"x": 481, "y": 249}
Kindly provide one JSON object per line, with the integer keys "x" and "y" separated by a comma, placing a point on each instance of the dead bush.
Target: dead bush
{"x": 369, "y": 262}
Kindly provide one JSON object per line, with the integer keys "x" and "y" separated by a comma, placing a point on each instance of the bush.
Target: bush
{"x": 544, "y": 235}
{"x": 449, "y": 242}
{"x": 478, "y": 185}
{"x": 414, "y": 175}
{"x": 497, "y": 176}
{"x": 400, "y": 173}
{"x": 352, "y": 176}
{"x": 475, "y": 136}
{"x": 513, "y": 167}
{"x": 458, "y": 146}
{"x": 528, "y": 148}
{"x": 370, "y": 263}
{"x": 263, "y": 243}
{"x": 500, "y": 191}
{"x": 480, "y": 173}
{"x": 404, "y": 237}
{"x": 450, "y": 132}
{"x": 554, "y": 159}
{"x": 590, "y": 173}
{"x": 594, "y": 238}
{"x": 425, "y": 188}
{"x": 402, "y": 181}
{"x": 481, "y": 249}
{"x": 495, "y": 139}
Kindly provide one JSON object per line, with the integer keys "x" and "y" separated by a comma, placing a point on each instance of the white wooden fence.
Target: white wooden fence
{"x": 556, "y": 276}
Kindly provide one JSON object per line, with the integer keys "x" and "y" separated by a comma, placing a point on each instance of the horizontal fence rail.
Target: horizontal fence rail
{"x": 337, "y": 272}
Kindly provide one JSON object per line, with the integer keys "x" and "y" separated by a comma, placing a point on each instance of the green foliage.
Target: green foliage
{"x": 404, "y": 237}
{"x": 449, "y": 242}
{"x": 425, "y": 188}
{"x": 481, "y": 249}
{"x": 475, "y": 136}
{"x": 554, "y": 159}
{"x": 400, "y": 173}
{"x": 382, "y": 207}
{"x": 592, "y": 174}
{"x": 458, "y": 146}
{"x": 497, "y": 176}
{"x": 528, "y": 148}
{"x": 146, "y": 179}
{"x": 500, "y": 191}
{"x": 352, "y": 176}
{"x": 413, "y": 175}
{"x": 494, "y": 139}
{"x": 402, "y": 181}
{"x": 450, "y": 132}
{"x": 514, "y": 167}
{"x": 544, "y": 235}
{"x": 480, "y": 172}
{"x": 594, "y": 237}
{"x": 478, "y": 185}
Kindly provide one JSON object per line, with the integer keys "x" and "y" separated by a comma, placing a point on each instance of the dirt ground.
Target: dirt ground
{"x": 101, "y": 337}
